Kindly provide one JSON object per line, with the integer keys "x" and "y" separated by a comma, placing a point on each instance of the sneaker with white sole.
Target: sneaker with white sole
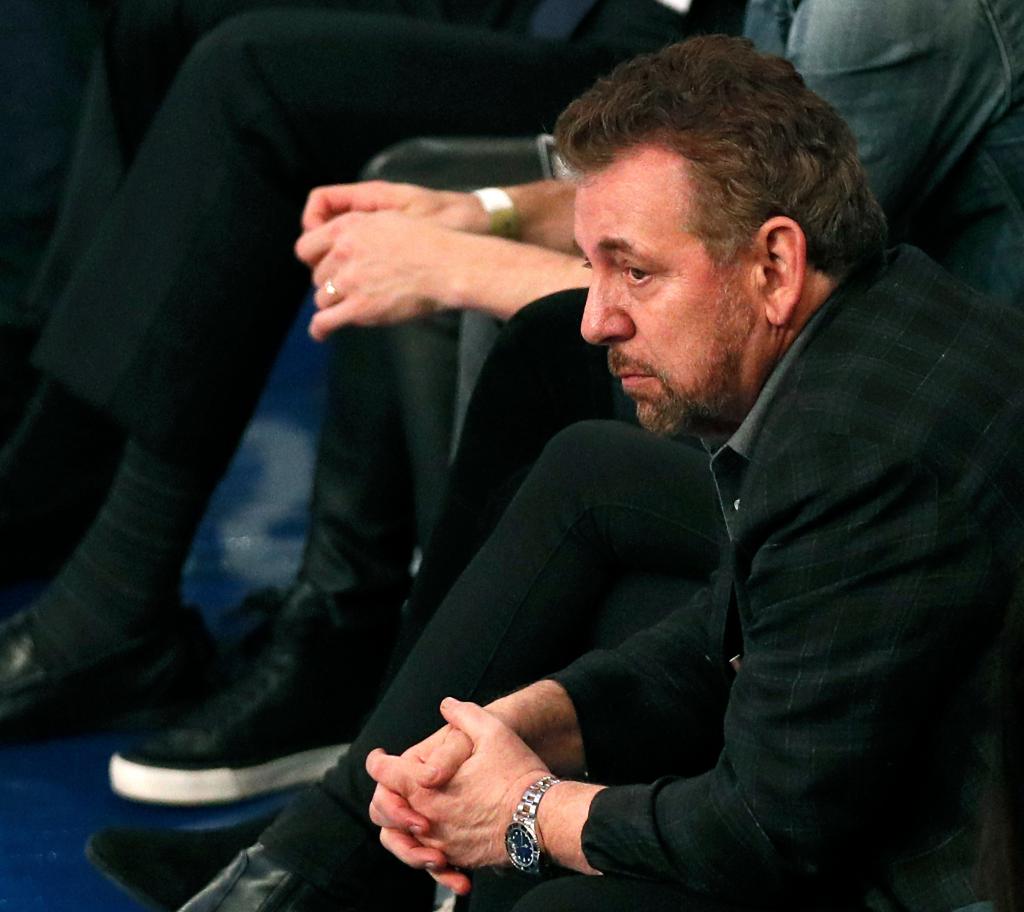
{"x": 283, "y": 721}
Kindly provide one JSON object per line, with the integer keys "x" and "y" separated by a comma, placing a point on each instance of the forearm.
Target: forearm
{"x": 498, "y": 277}
{"x": 545, "y": 718}
{"x": 546, "y": 213}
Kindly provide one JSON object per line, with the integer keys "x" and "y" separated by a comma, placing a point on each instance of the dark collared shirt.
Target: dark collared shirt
{"x": 730, "y": 459}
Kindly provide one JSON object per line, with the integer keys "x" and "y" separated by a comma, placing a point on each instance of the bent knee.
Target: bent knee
{"x": 221, "y": 66}
{"x": 589, "y": 455}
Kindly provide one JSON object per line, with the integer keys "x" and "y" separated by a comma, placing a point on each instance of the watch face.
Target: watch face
{"x": 522, "y": 848}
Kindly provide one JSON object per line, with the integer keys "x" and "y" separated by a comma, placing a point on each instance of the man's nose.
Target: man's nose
{"x": 604, "y": 321}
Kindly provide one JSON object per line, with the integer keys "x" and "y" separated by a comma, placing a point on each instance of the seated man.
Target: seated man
{"x": 862, "y": 410}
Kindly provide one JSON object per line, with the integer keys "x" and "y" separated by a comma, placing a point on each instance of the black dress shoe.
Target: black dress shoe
{"x": 135, "y": 686}
{"x": 254, "y": 882}
{"x": 283, "y": 721}
{"x": 164, "y": 869}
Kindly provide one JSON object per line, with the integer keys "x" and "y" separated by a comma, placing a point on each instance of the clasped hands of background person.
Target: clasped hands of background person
{"x": 445, "y": 802}
{"x": 374, "y": 247}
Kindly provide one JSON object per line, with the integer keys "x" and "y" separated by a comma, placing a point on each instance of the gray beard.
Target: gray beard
{"x": 673, "y": 413}
{"x": 705, "y": 411}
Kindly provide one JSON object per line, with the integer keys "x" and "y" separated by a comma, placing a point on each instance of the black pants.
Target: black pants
{"x": 605, "y": 500}
{"x": 577, "y": 893}
{"x": 171, "y": 281}
{"x": 611, "y": 530}
{"x": 381, "y": 462}
{"x": 44, "y": 55}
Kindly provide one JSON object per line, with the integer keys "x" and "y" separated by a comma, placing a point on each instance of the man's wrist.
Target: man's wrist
{"x": 561, "y": 818}
{"x": 523, "y": 843}
{"x": 516, "y": 789}
{"x": 543, "y": 716}
{"x": 503, "y": 216}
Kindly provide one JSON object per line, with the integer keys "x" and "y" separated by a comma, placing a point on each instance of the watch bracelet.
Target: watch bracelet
{"x": 526, "y": 809}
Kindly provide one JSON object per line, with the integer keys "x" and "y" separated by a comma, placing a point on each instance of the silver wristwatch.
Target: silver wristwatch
{"x": 521, "y": 840}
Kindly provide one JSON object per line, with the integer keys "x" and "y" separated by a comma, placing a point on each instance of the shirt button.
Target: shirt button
{"x": 736, "y": 504}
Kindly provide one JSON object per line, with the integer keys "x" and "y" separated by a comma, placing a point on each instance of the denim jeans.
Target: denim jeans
{"x": 934, "y": 92}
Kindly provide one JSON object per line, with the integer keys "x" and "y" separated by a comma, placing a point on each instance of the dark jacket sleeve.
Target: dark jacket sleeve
{"x": 869, "y": 592}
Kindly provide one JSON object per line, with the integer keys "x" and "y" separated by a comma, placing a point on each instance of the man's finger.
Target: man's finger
{"x": 390, "y": 771}
{"x": 331, "y": 293}
{"x": 314, "y": 243}
{"x": 331, "y": 319}
{"x": 444, "y": 759}
{"x": 323, "y": 203}
{"x": 313, "y": 213}
{"x": 470, "y": 718}
{"x": 409, "y": 851}
{"x": 330, "y": 266}
{"x": 455, "y": 880}
{"x": 389, "y": 809}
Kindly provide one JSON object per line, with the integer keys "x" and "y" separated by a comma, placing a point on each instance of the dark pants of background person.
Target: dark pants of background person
{"x": 44, "y": 55}
{"x": 614, "y": 529}
{"x": 171, "y": 279}
{"x": 381, "y": 462}
{"x": 45, "y": 50}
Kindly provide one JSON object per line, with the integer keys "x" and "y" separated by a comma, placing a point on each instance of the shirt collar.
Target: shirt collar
{"x": 744, "y": 437}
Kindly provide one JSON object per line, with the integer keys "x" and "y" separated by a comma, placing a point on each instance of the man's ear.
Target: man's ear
{"x": 780, "y": 267}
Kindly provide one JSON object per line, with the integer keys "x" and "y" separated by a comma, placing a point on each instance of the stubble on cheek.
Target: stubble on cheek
{"x": 666, "y": 410}
{"x": 659, "y": 409}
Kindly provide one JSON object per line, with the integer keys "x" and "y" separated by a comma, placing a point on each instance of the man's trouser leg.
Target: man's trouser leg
{"x": 523, "y": 609}
{"x": 381, "y": 461}
{"x": 266, "y": 106}
{"x": 144, "y": 42}
{"x": 487, "y": 611}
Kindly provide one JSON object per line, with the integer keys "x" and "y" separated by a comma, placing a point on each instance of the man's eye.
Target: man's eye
{"x": 587, "y": 264}
{"x": 635, "y": 274}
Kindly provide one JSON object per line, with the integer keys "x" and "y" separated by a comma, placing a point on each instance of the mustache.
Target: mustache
{"x": 620, "y": 364}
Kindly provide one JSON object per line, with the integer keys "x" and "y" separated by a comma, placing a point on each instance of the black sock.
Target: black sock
{"x": 122, "y": 581}
{"x": 17, "y": 376}
{"x": 61, "y": 453}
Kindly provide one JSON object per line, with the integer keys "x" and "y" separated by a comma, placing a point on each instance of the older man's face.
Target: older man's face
{"x": 676, "y": 325}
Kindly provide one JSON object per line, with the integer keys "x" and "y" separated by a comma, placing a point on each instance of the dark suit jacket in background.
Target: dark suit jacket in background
{"x": 874, "y": 536}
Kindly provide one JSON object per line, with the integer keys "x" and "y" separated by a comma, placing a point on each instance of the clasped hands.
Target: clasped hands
{"x": 380, "y": 252}
{"x": 444, "y": 803}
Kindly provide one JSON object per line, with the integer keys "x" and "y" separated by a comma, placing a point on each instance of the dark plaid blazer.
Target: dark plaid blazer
{"x": 878, "y": 525}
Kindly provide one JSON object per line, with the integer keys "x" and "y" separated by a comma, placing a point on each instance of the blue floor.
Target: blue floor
{"x": 53, "y": 794}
